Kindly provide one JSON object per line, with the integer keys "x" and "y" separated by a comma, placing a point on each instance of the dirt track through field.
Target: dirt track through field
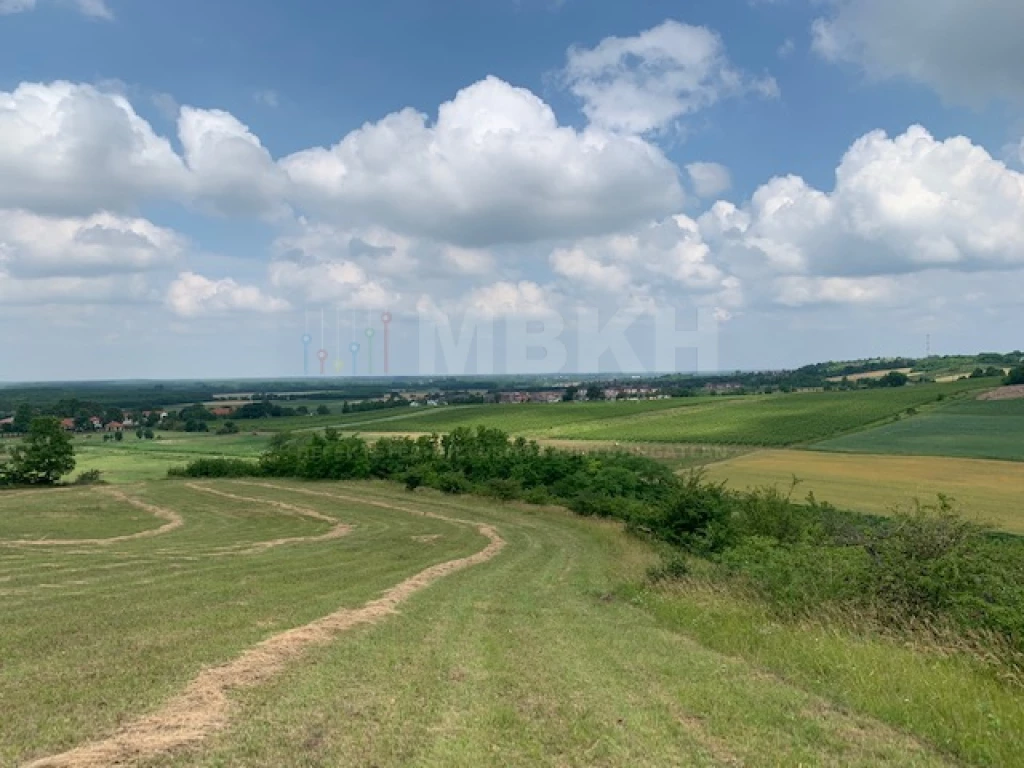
{"x": 172, "y": 518}
{"x": 337, "y": 531}
{"x": 204, "y": 707}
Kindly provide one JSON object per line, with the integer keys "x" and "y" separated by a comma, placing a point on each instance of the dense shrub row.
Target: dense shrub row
{"x": 924, "y": 564}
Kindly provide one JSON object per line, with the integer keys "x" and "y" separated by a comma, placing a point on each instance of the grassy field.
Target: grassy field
{"x": 531, "y": 419}
{"x": 754, "y": 420}
{"x": 980, "y": 429}
{"x": 132, "y": 459}
{"x": 515, "y": 660}
{"x": 989, "y": 491}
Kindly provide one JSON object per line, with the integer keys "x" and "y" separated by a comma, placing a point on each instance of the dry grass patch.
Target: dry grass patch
{"x": 989, "y": 491}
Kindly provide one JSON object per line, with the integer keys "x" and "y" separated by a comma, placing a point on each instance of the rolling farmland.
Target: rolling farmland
{"x": 984, "y": 429}
{"x": 768, "y": 420}
{"x": 773, "y": 420}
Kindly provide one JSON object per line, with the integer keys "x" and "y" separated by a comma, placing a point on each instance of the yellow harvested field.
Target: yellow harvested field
{"x": 989, "y": 491}
{"x": 872, "y": 374}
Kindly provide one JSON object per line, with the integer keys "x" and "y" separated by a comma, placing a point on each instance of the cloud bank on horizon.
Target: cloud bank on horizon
{"x": 129, "y": 216}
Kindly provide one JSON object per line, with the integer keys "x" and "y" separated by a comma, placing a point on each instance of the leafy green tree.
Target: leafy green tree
{"x": 323, "y": 410}
{"x": 119, "y": 436}
{"x": 1015, "y": 377}
{"x": 195, "y": 412}
{"x": 22, "y": 419}
{"x": 45, "y": 455}
{"x": 148, "y": 434}
{"x": 894, "y": 379}
{"x": 570, "y": 394}
{"x": 595, "y": 392}
{"x": 112, "y": 414}
{"x": 139, "y": 434}
{"x": 228, "y": 428}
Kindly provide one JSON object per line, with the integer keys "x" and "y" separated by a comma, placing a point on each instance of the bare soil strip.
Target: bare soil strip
{"x": 1014, "y": 392}
{"x": 204, "y": 706}
{"x": 172, "y": 518}
{"x": 336, "y": 532}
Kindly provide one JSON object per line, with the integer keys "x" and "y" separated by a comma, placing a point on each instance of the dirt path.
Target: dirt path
{"x": 172, "y": 518}
{"x": 337, "y": 531}
{"x": 204, "y": 706}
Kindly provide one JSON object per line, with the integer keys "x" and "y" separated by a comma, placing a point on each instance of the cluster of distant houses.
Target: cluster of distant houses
{"x": 640, "y": 392}
{"x": 96, "y": 424}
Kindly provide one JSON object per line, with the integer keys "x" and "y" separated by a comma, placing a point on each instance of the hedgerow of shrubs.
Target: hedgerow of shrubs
{"x": 927, "y": 563}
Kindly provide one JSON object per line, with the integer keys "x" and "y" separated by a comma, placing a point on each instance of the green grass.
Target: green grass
{"x": 543, "y": 656}
{"x": 968, "y": 429}
{"x": 774, "y": 420}
{"x": 531, "y": 419}
{"x": 134, "y": 460}
{"x": 912, "y": 689}
{"x": 72, "y": 514}
{"x": 92, "y": 636}
{"x": 753, "y": 420}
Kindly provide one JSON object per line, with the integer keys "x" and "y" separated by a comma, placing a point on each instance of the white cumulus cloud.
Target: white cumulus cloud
{"x": 192, "y": 295}
{"x": 33, "y": 245}
{"x": 900, "y": 205}
{"x": 709, "y": 179}
{"x": 646, "y": 82}
{"x": 74, "y": 149}
{"x": 495, "y": 167}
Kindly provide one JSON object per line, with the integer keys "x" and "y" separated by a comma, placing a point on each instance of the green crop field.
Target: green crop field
{"x": 294, "y": 624}
{"x": 773, "y": 420}
{"x": 531, "y": 419}
{"x": 754, "y": 420}
{"x": 979, "y": 429}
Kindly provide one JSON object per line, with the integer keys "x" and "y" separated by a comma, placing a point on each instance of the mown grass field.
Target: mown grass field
{"x": 987, "y": 491}
{"x": 520, "y": 659}
{"x": 983, "y": 429}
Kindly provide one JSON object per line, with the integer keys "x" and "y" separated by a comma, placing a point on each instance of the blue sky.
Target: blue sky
{"x": 186, "y": 187}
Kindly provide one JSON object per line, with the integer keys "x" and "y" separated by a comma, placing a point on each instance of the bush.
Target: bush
{"x": 413, "y": 479}
{"x": 672, "y": 567}
{"x": 502, "y": 488}
{"x": 697, "y": 517}
{"x": 217, "y": 467}
{"x": 537, "y": 495}
{"x": 769, "y": 513}
{"x": 89, "y": 477}
{"x": 452, "y": 482}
